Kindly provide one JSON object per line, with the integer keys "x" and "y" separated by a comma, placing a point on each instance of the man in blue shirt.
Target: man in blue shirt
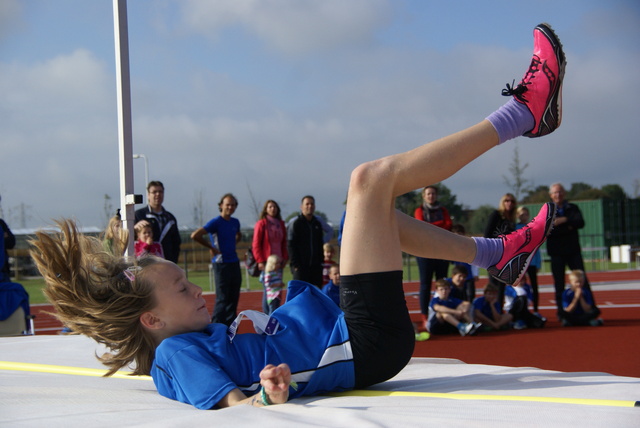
{"x": 224, "y": 232}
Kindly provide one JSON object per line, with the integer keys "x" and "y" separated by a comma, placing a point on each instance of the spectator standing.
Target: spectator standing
{"x": 224, "y": 232}
{"x": 305, "y": 240}
{"x": 563, "y": 243}
{"x": 163, "y": 223}
{"x": 270, "y": 235}
{"x": 432, "y": 212}
{"x": 501, "y": 222}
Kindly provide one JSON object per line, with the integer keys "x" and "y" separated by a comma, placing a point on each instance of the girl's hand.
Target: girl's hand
{"x": 276, "y": 380}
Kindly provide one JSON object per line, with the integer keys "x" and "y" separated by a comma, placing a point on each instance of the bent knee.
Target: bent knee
{"x": 370, "y": 176}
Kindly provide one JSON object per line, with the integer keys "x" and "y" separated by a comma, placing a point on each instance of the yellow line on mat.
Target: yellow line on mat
{"x": 78, "y": 371}
{"x": 453, "y": 396}
{"x": 81, "y": 371}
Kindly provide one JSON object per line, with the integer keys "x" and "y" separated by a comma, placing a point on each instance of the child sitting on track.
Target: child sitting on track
{"x": 150, "y": 314}
{"x": 448, "y": 314}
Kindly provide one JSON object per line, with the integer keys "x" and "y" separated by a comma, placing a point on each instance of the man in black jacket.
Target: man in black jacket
{"x": 563, "y": 243}
{"x": 305, "y": 240}
{"x": 163, "y": 223}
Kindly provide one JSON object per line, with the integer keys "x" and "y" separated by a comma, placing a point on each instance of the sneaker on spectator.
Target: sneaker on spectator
{"x": 465, "y": 328}
{"x": 596, "y": 323}
{"x": 539, "y": 315}
{"x": 519, "y": 325}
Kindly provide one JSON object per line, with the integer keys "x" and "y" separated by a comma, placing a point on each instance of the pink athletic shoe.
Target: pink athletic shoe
{"x": 541, "y": 87}
{"x": 520, "y": 246}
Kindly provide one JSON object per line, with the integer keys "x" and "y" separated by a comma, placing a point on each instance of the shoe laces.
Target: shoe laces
{"x": 518, "y": 91}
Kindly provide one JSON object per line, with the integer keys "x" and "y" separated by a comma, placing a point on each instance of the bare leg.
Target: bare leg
{"x": 375, "y": 234}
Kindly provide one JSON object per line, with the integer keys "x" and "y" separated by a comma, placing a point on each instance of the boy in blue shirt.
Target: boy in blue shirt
{"x": 449, "y": 314}
{"x": 332, "y": 288}
{"x": 577, "y": 303}
{"x": 487, "y": 310}
{"x": 458, "y": 283}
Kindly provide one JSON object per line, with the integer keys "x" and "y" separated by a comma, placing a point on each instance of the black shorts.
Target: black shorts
{"x": 380, "y": 329}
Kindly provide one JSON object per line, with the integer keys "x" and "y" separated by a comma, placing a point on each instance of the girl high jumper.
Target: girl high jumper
{"x": 149, "y": 313}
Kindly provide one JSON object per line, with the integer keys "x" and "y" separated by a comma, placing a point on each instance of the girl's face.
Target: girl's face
{"x": 272, "y": 209}
{"x": 180, "y": 307}
{"x": 146, "y": 235}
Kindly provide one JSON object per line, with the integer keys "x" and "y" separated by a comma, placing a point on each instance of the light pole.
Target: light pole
{"x": 146, "y": 168}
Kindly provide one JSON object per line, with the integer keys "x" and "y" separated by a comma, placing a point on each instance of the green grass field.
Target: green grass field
{"x": 34, "y": 286}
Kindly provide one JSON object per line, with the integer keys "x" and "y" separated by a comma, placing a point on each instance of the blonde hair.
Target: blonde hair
{"x": 577, "y": 273}
{"x": 327, "y": 247}
{"x": 508, "y": 215}
{"x": 92, "y": 294}
{"x": 270, "y": 265}
{"x": 112, "y": 243}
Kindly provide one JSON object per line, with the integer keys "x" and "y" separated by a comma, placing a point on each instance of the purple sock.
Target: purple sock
{"x": 511, "y": 120}
{"x": 488, "y": 252}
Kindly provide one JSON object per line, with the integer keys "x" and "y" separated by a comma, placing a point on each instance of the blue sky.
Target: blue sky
{"x": 282, "y": 98}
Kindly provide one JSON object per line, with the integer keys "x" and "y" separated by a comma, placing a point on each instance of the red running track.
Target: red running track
{"x": 612, "y": 348}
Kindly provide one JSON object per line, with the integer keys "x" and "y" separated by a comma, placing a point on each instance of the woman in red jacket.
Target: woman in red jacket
{"x": 270, "y": 235}
{"x": 432, "y": 212}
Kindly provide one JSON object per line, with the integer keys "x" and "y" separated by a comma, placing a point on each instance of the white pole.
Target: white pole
{"x": 127, "y": 197}
{"x": 146, "y": 168}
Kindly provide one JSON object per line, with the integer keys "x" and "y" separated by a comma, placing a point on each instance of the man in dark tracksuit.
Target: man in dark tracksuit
{"x": 305, "y": 239}
{"x": 563, "y": 243}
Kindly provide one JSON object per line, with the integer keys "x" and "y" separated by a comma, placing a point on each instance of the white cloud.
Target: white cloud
{"x": 291, "y": 26}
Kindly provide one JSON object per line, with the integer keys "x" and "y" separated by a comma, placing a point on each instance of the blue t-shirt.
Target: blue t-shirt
{"x": 201, "y": 368}
{"x": 333, "y": 291}
{"x": 483, "y": 306}
{"x": 567, "y": 298}
{"x": 451, "y": 302}
{"x": 223, "y": 237}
